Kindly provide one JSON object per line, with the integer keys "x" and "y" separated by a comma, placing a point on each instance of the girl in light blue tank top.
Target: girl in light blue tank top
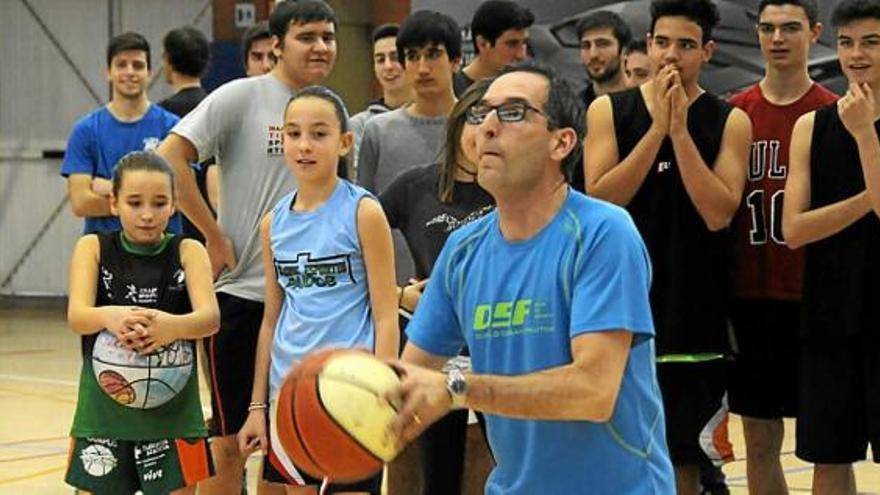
{"x": 328, "y": 259}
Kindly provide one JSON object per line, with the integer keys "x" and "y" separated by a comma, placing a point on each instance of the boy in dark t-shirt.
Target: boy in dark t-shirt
{"x": 184, "y": 62}
{"x": 500, "y": 33}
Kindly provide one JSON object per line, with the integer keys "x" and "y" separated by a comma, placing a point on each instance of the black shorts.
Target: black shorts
{"x": 695, "y": 400}
{"x": 443, "y": 453}
{"x": 278, "y": 467}
{"x": 763, "y": 374}
{"x": 274, "y": 474}
{"x": 839, "y": 406}
{"x": 230, "y": 354}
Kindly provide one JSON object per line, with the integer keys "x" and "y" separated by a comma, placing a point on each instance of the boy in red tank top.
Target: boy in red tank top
{"x": 768, "y": 275}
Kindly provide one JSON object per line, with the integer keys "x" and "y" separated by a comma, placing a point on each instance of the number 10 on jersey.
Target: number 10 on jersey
{"x": 764, "y": 225}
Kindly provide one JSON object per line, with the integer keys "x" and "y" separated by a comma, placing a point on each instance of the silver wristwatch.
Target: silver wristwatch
{"x": 456, "y": 385}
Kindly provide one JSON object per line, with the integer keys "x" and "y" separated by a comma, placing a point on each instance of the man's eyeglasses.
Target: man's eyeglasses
{"x": 507, "y": 112}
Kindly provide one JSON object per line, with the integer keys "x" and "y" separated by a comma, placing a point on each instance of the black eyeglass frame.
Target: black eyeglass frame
{"x": 519, "y": 109}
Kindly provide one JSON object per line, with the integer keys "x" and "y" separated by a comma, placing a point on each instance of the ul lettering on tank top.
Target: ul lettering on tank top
{"x": 766, "y": 212}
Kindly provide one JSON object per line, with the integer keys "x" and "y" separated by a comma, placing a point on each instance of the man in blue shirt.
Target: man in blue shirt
{"x": 98, "y": 140}
{"x": 550, "y": 293}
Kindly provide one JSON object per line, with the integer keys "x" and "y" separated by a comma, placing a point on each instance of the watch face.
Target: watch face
{"x": 456, "y": 382}
{"x": 458, "y": 385}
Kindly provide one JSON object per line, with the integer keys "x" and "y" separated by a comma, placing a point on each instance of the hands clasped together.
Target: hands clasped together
{"x": 140, "y": 329}
{"x": 670, "y": 102}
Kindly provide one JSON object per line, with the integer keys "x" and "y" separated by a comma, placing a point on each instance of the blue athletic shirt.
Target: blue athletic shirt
{"x": 319, "y": 264}
{"x": 517, "y": 305}
{"x": 98, "y": 140}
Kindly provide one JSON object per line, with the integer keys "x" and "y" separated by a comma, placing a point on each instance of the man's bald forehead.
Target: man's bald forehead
{"x": 519, "y": 84}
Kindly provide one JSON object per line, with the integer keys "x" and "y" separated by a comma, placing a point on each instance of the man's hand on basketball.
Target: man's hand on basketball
{"x": 423, "y": 400}
{"x": 856, "y": 110}
{"x": 221, "y": 254}
{"x": 252, "y": 435}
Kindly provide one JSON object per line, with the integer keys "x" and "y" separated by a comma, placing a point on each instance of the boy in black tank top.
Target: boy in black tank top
{"x": 676, "y": 157}
{"x": 835, "y": 152}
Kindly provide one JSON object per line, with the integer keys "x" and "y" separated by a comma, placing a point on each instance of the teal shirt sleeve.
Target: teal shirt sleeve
{"x": 612, "y": 280}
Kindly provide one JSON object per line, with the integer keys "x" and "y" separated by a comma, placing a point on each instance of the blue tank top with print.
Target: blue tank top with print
{"x": 319, "y": 265}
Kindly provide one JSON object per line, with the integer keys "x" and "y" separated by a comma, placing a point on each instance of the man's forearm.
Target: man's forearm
{"x": 561, "y": 393}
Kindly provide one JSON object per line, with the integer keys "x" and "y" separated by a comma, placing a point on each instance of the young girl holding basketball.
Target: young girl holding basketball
{"x": 329, "y": 265}
{"x": 138, "y": 297}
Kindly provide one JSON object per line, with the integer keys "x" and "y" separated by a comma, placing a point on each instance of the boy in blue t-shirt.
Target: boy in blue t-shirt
{"x": 98, "y": 140}
{"x": 550, "y": 293}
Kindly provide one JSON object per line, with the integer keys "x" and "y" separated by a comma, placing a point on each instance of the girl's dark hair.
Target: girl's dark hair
{"x": 141, "y": 160}
{"x": 328, "y": 95}
{"x": 452, "y": 147}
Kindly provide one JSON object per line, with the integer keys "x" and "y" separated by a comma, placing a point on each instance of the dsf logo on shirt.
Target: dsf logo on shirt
{"x": 510, "y": 318}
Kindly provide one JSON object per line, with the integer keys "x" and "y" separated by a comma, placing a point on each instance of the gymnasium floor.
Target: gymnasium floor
{"x": 39, "y": 366}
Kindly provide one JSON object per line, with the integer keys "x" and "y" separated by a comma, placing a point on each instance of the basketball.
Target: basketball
{"x": 141, "y": 381}
{"x": 331, "y": 419}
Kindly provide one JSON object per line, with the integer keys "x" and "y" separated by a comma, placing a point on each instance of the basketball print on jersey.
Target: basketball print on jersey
{"x": 141, "y": 381}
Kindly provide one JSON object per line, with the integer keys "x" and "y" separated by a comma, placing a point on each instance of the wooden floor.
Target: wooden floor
{"x": 39, "y": 366}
